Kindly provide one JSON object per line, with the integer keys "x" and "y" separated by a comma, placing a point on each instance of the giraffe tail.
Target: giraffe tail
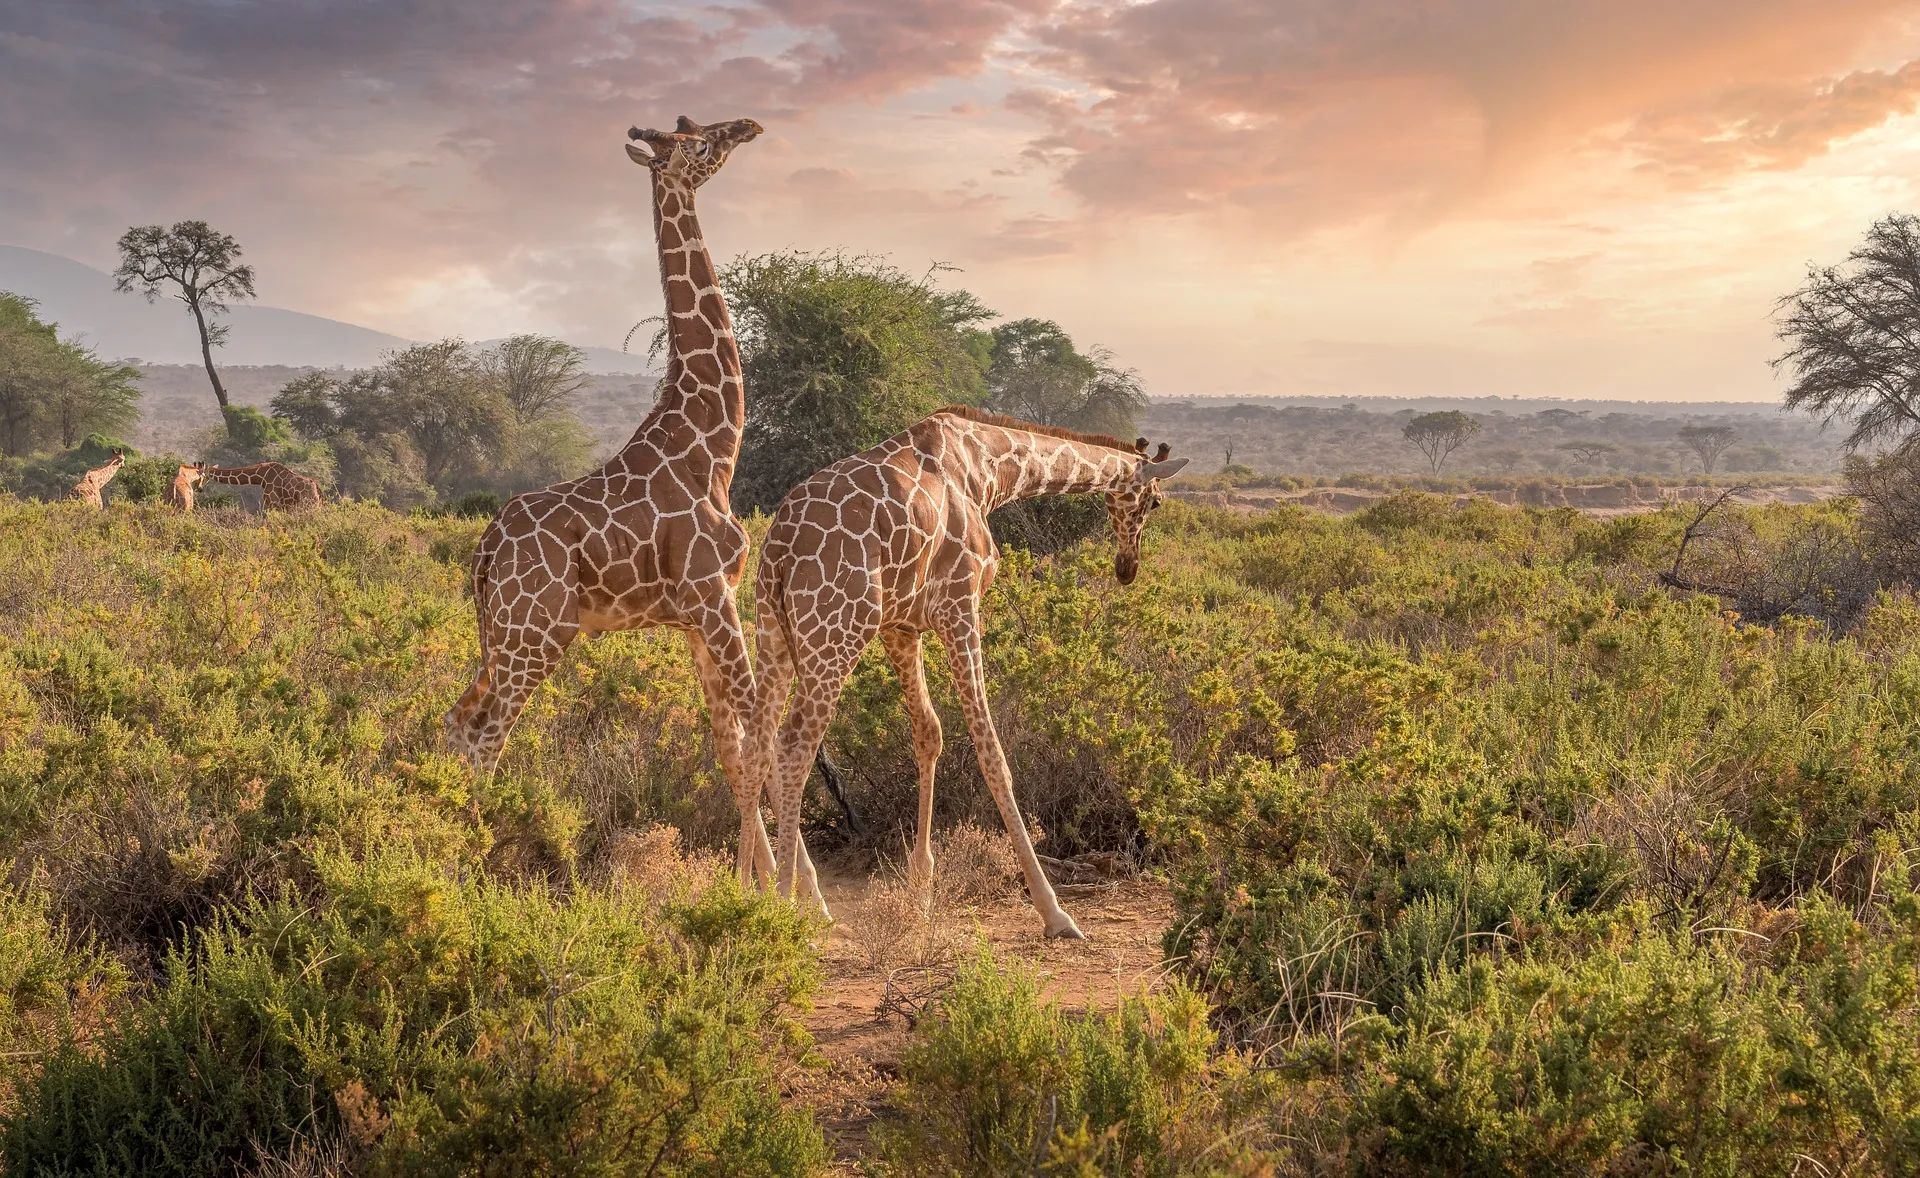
{"x": 483, "y": 608}
{"x": 480, "y": 574}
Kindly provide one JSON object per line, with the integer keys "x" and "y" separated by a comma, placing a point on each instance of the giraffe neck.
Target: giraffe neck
{"x": 234, "y": 476}
{"x": 703, "y": 390}
{"x": 99, "y": 476}
{"x": 1015, "y": 464}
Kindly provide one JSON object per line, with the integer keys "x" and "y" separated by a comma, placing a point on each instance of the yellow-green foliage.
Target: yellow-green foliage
{"x": 1493, "y": 850}
{"x": 1002, "y": 1082}
{"x": 447, "y": 1027}
{"x": 218, "y": 757}
{"x": 1430, "y": 778}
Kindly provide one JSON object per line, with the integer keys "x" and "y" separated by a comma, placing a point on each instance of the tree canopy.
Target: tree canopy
{"x": 1852, "y": 335}
{"x": 1588, "y": 449}
{"x": 840, "y": 351}
{"x": 1034, "y": 372}
{"x": 438, "y": 419}
{"x": 1707, "y": 442}
{"x": 1439, "y": 434}
{"x": 195, "y": 263}
{"x": 54, "y": 392}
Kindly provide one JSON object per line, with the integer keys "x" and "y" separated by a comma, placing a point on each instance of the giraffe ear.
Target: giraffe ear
{"x": 1150, "y": 471}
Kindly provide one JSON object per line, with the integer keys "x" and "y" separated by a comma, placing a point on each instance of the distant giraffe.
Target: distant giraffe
{"x": 179, "y": 492}
{"x": 649, "y": 539}
{"x": 894, "y": 542}
{"x": 96, "y": 480}
{"x": 281, "y": 489}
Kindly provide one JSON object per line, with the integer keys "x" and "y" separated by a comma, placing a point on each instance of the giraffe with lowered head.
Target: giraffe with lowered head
{"x": 649, "y": 539}
{"x": 95, "y": 481}
{"x": 894, "y": 542}
{"x": 281, "y": 488}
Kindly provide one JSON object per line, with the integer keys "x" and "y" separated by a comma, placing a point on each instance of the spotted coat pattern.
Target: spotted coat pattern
{"x": 892, "y": 543}
{"x": 648, "y": 539}
{"x": 95, "y": 481}
{"x": 281, "y": 489}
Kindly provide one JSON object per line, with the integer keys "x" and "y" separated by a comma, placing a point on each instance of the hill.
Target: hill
{"x": 83, "y": 301}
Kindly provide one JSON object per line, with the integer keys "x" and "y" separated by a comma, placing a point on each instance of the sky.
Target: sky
{"x": 1577, "y": 198}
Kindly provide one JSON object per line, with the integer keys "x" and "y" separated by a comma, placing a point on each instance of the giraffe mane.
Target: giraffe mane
{"x": 988, "y": 417}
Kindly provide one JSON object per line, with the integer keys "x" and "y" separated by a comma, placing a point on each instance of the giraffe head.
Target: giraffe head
{"x": 690, "y": 153}
{"x": 1127, "y": 510}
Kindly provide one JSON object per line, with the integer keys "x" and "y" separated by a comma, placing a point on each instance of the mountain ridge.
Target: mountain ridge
{"x": 83, "y": 301}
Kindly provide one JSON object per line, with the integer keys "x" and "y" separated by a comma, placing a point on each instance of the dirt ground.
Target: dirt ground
{"x": 860, "y": 1021}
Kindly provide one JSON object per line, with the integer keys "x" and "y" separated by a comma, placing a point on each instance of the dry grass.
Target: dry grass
{"x": 655, "y": 863}
{"x": 334, "y": 1157}
{"x": 902, "y": 924}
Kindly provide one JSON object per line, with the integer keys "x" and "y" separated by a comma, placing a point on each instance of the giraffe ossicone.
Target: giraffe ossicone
{"x": 892, "y": 543}
{"x": 649, "y": 538}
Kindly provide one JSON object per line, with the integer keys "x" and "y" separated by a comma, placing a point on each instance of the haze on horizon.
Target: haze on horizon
{"x": 1289, "y": 197}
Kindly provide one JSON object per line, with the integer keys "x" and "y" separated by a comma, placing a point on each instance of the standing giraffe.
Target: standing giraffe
{"x": 894, "y": 542}
{"x": 281, "y": 489}
{"x": 179, "y": 492}
{"x": 649, "y": 539}
{"x": 95, "y": 481}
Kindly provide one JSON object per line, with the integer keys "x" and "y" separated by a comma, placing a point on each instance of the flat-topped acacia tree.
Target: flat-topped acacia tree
{"x": 1439, "y": 434}
{"x": 202, "y": 267}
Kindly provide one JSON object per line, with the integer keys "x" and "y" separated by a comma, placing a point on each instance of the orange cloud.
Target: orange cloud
{"x": 1331, "y": 109}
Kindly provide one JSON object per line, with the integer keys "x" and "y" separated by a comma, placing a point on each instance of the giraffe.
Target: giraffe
{"x": 894, "y": 542}
{"x": 649, "y": 539}
{"x": 281, "y": 489}
{"x": 95, "y": 481}
{"x": 179, "y": 492}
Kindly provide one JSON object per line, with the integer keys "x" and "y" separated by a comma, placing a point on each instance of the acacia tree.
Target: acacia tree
{"x": 1439, "y": 434}
{"x": 437, "y": 419}
{"x": 1707, "y": 442}
{"x": 540, "y": 376}
{"x": 840, "y": 351}
{"x": 1034, "y": 372}
{"x": 55, "y": 392}
{"x": 203, "y": 269}
{"x": 540, "y": 379}
{"x": 1587, "y": 450}
{"x": 1852, "y": 335}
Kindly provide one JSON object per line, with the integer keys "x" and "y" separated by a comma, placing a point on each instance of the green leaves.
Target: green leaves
{"x": 54, "y": 393}
{"x": 839, "y": 352}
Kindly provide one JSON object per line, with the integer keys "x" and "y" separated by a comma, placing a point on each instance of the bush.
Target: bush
{"x": 473, "y": 505}
{"x": 447, "y": 1026}
{"x": 998, "y": 1081}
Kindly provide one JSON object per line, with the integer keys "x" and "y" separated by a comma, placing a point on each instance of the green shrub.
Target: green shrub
{"x": 55, "y": 987}
{"x": 448, "y": 1026}
{"x": 998, "y": 1081}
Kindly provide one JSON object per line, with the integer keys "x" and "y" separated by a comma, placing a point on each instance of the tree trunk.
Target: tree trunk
{"x": 206, "y": 354}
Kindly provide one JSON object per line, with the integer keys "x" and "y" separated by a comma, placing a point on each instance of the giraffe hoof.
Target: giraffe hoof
{"x": 1066, "y": 932}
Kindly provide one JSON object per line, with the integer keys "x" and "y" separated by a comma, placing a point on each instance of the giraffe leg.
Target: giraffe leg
{"x": 961, "y": 636}
{"x": 773, "y": 679}
{"x": 821, "y": 675}
{"x": 903, "y": 649}
{"x": 508, "y": 678}
{"x": 719, "y": 657}
{"x": 523, "y": 635}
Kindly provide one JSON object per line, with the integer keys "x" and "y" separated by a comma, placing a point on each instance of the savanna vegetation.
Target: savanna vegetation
{"x": 1500, "y": 841}
{"x": 1492, "y": 854}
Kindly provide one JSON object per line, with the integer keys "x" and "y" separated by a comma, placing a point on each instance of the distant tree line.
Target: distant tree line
{"x": 62, "y": 408}
{"x": 443, "y": 420}
{"x": 55, "y": 392}
{"x": 839, "y": 352}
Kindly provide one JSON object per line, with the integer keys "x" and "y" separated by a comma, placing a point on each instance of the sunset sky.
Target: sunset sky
{"x": 1413, "y": 197}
